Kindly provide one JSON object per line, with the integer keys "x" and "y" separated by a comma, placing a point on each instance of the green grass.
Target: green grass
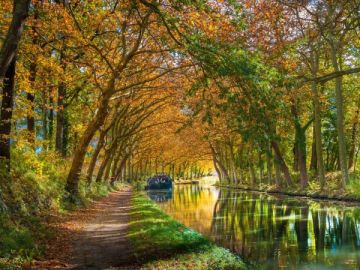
{"x": 161, "y": 242}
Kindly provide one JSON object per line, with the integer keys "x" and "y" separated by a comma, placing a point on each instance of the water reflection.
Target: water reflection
{"x": 160, "y": 196}
{"x": 276, "y": 232}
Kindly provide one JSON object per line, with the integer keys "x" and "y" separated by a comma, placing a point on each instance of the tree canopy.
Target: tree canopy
{"x": 256, "y": 91}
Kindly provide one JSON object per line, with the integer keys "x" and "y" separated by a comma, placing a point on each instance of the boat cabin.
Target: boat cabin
{"x": 161, "y": 181}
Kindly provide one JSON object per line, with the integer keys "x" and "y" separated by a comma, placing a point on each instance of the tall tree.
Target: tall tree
{"x": 7, "y": 71}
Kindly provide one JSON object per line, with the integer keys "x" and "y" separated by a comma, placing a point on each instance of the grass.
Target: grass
{"x": 161, "y": 242}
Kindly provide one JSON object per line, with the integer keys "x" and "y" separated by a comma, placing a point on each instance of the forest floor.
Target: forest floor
{"x": 92, "y": 238}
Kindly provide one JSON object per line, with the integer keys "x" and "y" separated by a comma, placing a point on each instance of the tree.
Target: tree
{"x": 7, "y": 74}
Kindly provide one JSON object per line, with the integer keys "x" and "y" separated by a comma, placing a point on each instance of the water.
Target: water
{"x": 275, "y": 232}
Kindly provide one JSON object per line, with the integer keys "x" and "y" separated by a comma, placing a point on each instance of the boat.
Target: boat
{"x": 160, "y": 181}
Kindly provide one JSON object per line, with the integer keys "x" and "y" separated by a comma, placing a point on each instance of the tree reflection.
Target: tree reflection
{"x": 279, "y": 232}
{"x": 276, "y": 232}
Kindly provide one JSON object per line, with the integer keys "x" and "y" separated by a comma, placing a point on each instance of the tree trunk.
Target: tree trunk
{"x": 353, "y": 135}
{"x": 313, "y": 161}
{"x": 103, "y": 166}
{"x": 7, "y": 75}
{"x": 341, "y": 133}
{"x": 340, "y": 119}
{"x": 51, "y": 121}
{"x": 220, "y": 165}
{"x": 31, "y": 99}
{"x": 79, "y": 155}
{"x": 300, "y": 148}
{"x": 217, "y": 170}
{"x": 109, "y": 153}
{"x": 129, "y": 171}
{"x": 121, "y": 168}
{"x": 281, "y": 162}
{"x": 277, "y": 173}
{"x": 269, "y": 165}
{"x": 115, "y": 166}
{"x": 253, "y": 175}
{"x": 108, "y": 167}
{"x": 6, "y": 114}
{"x": 65, "y": 138}
{"x": 60, "y": 120}
{"x": 32, "y": 79}
{"x": 94, "y": 157}
{"x": 318, "y": 138}
{"x": 10, "y": 44}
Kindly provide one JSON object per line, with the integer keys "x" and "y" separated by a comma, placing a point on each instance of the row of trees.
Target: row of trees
{"x": 286, "y": 86}
{"x": 129, "y": 88}
{"x": 99, "y": 84}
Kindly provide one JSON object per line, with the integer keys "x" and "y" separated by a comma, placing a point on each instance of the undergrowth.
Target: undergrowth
{"x": 35, "y": 189}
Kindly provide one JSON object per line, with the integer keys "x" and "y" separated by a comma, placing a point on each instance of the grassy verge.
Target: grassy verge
{"x": 161, "y": 242}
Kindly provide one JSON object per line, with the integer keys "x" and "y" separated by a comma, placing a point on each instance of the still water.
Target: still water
{"x": 275, "y": 232}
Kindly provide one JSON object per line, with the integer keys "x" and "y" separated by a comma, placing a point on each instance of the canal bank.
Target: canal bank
{"x": 160, "y": 242}
{"x": 336, "y": 196}
{"x": 271, "y": 231}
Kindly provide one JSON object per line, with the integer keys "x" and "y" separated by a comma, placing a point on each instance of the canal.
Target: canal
{"x": 275, "y": 232}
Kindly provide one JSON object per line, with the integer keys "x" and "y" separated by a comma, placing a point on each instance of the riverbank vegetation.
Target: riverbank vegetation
{"x": 99, "y": 92}
{"x": 36, "y": 197}
{"x": 160, "y": 242}
{"x": 282, "y": 111}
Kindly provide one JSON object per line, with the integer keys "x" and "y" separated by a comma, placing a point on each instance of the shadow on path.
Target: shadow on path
{"x": 104, "y": 244}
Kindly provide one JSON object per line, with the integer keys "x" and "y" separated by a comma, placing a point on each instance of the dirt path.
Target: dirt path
{"x": 103, "y": 242}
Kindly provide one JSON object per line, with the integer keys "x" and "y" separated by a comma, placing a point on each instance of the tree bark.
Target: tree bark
{"x": 60, "y": 140}
{"x": 32, "y": 79}
{"x": 313, "y": 161}
{"x": 7, "y": 75}
{"x": 353, "y": 135}
{"x": 269, "y": 165}
{"x": 217, "y": 170}
{"x": 340, "y": 119}
{"x": 60, "y": 120}
{"x": 109, "y": 153}
{"x": 277, "y": 173}
{"x": 108, "y": 167}
{"x": 79, "y": 155}
{"x": 318, "y": 138}
{"x": 6, "y": 114}
{"x": 10, "y": 45}
{"x": 253, "y": 174}
{"x": 115, "y": 166}
{"x": 300, "y": 147}
{"x": 121, "y": 169}
{"x": 51, "y": 122}
{"x": 45, "y": 123}
{"x": 95, "y": 155}
{"x": 31, "y": 99}
{"x": 281, "y": 162}
{"x": 220, "y": 165}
